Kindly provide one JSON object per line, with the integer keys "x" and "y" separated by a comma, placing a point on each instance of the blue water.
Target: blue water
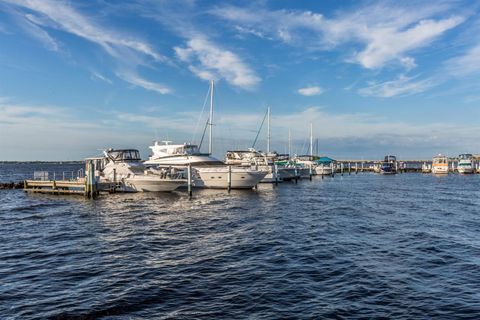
{"x": 358, "y": 246}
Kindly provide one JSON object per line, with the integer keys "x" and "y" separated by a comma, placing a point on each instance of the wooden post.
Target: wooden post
{"x": 349, "y": 168}
{"x": 310, "y": 172}
{"x": 356, "y": 167}
{"x": 275, "y": 172}
{"x": 229, "y": 178}
{"x": 91, "y": 185}
{"x": 334, "y": 169}
{"x": 189, "y": 180}
{"x": 341, "y": 168}
{"x": 114, "y": 180}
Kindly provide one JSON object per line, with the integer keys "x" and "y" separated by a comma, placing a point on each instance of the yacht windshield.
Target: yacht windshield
{"x": 124, "y": 155}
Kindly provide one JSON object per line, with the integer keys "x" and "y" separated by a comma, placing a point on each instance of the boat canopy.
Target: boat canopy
{"x": 390, "y": 158}
{"x": 325, "y": 160}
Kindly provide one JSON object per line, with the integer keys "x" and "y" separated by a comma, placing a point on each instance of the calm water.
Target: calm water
{"x": 365, "y": 245}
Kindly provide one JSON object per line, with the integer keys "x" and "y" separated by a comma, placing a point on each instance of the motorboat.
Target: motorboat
{"x": 124, "y": 169}
{"x": 207, "y": 171}
{"x": 440, "y": 164}
{"x": 389, "y": 165}
{"x": 324, "y": 166}
{"x": 465, "y": 163}
{"x": 166, "y": 154}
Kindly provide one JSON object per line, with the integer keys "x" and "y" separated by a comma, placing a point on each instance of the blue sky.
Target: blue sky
{"x": 373, "y": 77}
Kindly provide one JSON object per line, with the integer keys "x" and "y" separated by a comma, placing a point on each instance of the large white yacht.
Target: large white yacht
{"x": 124, "y": 167}
{"x": 465, "y": 163}
{"x": 167, "y": 154}
{"x": 208, "y": 172}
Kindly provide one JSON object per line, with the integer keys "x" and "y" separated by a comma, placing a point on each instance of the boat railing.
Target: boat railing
{"x": 61, "y": 175}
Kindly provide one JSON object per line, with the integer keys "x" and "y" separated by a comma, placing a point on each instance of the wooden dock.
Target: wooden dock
{"x": 55, "y": 186}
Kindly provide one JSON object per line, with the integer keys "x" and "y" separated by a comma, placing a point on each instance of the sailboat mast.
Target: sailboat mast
{"x": 311, "y": 139}
{"x": 289, "y": 143}
{"x": 210, "y": 131}
{"x": 268, "y": 130}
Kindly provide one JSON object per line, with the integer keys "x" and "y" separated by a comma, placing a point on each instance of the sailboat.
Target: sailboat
{"x": 306, "y": 162}
{"x": 276, "y": 171}
{"x": 208, "y": 172}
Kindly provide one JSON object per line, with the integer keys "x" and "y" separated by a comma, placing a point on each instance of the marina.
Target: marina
{"x": 239, "y": 160}
{"x": 138, "y": 254}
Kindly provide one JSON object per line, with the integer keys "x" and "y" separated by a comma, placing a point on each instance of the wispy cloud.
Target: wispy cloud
{"x": 208, "y": 60}
{"x": 465, "y": 64}
{"x": 96, "y": 75}
{"x": 310, "y": 91}
{"x": 136, "y": 80}
{"x": 129, "y": 51}
{"x": 402, "y": 86}
{"x": 60, "y": 15}
{"x": 385, "y": 32}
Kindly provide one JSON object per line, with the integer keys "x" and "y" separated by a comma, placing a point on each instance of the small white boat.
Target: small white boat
{"x": 440, "y": 165}
{"x": 465, "y": 163}
{"x": 426, "y": 168}
{"x": 324, "y": 170}
{"x": 123, "y": 167}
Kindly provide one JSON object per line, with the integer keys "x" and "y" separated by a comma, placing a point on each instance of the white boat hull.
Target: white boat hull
{"x": 324, "y": 171}
{"x": 152, "y": 184}
{"x": 465, "y": 170}
{"x": 440, "y": 169}
{"x": 218, "y": 178}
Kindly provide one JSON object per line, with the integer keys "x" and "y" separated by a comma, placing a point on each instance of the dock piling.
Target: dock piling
{"x": 229, "y": 178}
{"x": 189, "y": 181}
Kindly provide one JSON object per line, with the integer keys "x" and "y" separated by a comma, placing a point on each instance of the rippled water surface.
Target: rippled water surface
{"x": 359, "y": 246}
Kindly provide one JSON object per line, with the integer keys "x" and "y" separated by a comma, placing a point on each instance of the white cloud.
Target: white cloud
{"x": 401, "y": 86}
{"x": 466, "y": 64}
{"x": 128, "y": 51}
{"x": 384, "y": 44}
{"x": 208, "y": 61}
{"x": 135, "y": 79}
{"x": 384, "y": 33}
{"x": 60, "y": 15}
{"x": 310, "y": 91}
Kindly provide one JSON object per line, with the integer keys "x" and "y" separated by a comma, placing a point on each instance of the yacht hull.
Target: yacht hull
{"x": 152, "y": 184}
{"x": 217, "y": 178}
